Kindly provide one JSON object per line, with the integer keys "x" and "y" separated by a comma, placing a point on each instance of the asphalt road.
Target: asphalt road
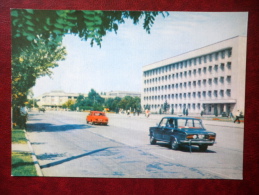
{"x": 66, "y": 146}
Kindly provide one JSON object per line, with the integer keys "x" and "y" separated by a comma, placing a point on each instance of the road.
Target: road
{"x": 66, "y": 146}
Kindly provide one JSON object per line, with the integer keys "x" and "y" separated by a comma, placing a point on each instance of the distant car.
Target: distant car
{"x": 97, "y": 117}
{"x": 179, "y": 131}
{"x": 42, "y": 110}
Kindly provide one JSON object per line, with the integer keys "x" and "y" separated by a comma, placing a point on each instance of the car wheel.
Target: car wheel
{"x": 152, "y": 139}
{"x": 174, "y": 145}
{"x": 203, "y": 148}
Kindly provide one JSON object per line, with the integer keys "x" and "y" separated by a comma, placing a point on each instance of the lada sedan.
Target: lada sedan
{"x": 97, "y": 117}
{"x": 178, "y": 131}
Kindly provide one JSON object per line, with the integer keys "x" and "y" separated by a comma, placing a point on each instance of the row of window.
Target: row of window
{"x": 190, "y": 84}
{"x": 189, "y": 62}
{"x": 191, "y": 107}
{"x": 190, "y": 73}
{"x": 193, "y": 95}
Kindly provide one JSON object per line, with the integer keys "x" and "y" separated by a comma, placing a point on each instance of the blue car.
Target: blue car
{"x": 179, "y": 131}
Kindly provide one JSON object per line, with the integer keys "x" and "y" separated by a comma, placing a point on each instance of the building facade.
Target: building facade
{"x": 209, "y": 79}
{"x": 121, "y": 94}
{"x": 55, "y": 99}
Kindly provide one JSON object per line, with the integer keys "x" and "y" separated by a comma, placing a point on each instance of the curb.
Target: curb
{"x": 34, "y": 158}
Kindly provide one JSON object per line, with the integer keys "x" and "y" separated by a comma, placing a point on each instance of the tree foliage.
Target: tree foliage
{"x": 37, "y": 36}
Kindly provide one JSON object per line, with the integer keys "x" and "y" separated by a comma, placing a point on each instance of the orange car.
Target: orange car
{"x": 97, "y": 117}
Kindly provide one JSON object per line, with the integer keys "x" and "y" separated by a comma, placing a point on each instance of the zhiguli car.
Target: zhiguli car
{"x": 97, "y": 117}
{"x": 179, "y": 131}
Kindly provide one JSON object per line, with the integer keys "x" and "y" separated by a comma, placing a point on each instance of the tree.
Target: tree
{"x": 31, "y": 63}
{"x": 37, "y": 36}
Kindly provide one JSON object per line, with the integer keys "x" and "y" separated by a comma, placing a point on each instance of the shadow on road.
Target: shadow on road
{"x": 48, "y": 127}
{"x": 71, "y": 158}
{"x": 194, "y": 149}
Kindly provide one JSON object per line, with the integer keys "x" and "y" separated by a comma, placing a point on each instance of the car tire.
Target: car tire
{"x": 152, "y": 139}
{"x": 203, "y": 148}
{"x": 173, "y": 144}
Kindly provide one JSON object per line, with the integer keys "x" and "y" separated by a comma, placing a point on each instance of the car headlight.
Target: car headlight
{"x": 201, "y": 136}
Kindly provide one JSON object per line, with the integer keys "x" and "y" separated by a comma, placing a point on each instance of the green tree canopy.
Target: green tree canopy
{"x": 37, "y": 36}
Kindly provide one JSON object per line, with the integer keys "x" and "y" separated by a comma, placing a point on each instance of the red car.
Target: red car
{"x": 97, "y": 117}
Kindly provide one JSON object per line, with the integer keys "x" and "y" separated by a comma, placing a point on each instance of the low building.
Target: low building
{"x": 55, "y": 99}
{"x": 122, "y": 94}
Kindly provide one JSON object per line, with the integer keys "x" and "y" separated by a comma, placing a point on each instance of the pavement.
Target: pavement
{"x": 207, "y": 120}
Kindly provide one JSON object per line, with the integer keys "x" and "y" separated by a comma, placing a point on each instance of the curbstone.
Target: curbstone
{"x": 34, "y": 158}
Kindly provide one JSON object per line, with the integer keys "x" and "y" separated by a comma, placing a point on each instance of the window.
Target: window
{"x": 215, "y": 93}
{"x": 189, "y": 95}
{"x": 221, "y": 80}
{"x": 216, "y": 56}
{"x": 228, "y": 92}
{"x": 199, "y": 83}
{"x": 204, "y": 94}
{"x": 210, "y": 57}
{"x": 221, "y": 93}
{"x": 185, "y": 84}
{"x": 194, "y": 72}
{"x": 222, "y": 66}
{"x": 194, "y": 83}
{"x": 205, "y": 59}
{"x": 194, "y": 95}
{"x": 209, "y": 93}
{"x": 209, "y": 81}
{"x": 229, "y": 79}
{"x": 189, "y": 84}
{"x": 216, "y": 68}
{"x": 204, "y": 82}
{"x": 229, "y": 53}
{"x": 190, "y": 73}
{"x": 229, "y": 65}
{"x": 215, "y": 81}
{"x": 210, "y": 69}
{"x": 204, "y": 70}
{"x": 223, "y": 54}
{"x": 199, "y": 94}
{"x": 199, "y": 71}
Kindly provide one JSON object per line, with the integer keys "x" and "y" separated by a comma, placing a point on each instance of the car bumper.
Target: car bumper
{"x": 197, "y": 142}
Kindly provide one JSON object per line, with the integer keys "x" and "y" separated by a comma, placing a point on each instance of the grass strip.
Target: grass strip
{"x": 22, "y": 164}
{"x": 18, "y": 136}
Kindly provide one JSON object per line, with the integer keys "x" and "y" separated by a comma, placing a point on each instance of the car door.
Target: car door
{"x": 168, "y": 130}
{"x": 160, "y": 129}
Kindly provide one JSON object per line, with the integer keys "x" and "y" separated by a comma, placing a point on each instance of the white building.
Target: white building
{"x": 121, "y": 94}
{"x": 55, "y": 99}
{"x": 203, "y": 79}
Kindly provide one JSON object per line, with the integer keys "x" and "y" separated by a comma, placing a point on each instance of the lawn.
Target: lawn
{"x": 18, "y": 136}
{"x": 22, "y": 164}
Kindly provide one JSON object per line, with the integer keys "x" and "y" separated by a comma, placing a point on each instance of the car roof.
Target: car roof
{"x": 176, "y": 117}
{"x": 97, "y": 111}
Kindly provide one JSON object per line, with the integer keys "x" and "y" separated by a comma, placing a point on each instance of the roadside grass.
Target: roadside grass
{"x": 22, "y": 164}
{"x": 18, "y": 136}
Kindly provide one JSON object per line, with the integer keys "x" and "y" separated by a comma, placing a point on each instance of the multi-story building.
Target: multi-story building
{"x": 206, "y": 79}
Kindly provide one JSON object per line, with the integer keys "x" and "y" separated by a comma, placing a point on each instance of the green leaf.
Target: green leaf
{"x": 29, "y": 11}
{"x": 57, "y": 31}
{"x": 58, "y": 25}
{"x": 30, "y": 28}
{"x": 29, "y": 23}
{"x": 14, "y": 13}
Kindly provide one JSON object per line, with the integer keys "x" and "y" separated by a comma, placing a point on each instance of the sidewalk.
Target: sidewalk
{"x": 207, "y": 119}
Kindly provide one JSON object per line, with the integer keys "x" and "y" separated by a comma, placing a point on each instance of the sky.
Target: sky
{"x": 117, "y": 65}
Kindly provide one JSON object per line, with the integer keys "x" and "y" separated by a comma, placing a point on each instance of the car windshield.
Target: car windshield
{"x": 99, "y": 114}
{"x": 190, "y": 123}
